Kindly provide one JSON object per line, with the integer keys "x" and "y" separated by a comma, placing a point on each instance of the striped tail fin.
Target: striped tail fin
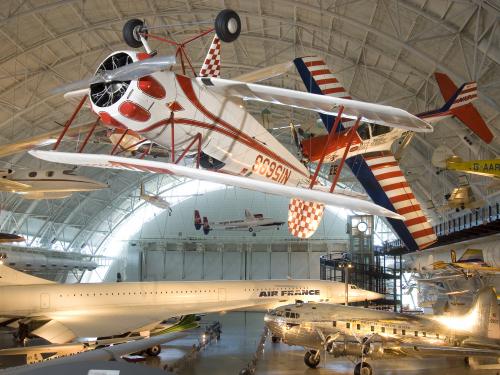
{"x": 459, "y": 104}
{"x": 211, "y": 65}
{"x": 318, "y": 79}
{"x": 386, "y": 184}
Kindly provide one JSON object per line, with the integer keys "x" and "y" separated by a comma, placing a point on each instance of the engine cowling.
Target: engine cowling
{"x": 349, "y": 348}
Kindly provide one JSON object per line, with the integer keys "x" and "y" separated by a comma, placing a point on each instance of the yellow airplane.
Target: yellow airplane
{"x": 488, "y": 168}
{"x": 471, "y": 260}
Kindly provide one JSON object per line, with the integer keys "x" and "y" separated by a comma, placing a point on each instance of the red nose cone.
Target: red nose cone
{"x": 134, "y": 111}
{"x": 151, "y": 87}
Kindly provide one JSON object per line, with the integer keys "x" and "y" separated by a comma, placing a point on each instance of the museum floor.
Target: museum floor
{"x": 240, "y": 334}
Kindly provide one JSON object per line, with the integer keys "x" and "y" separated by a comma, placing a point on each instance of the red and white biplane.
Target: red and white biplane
{"x": 366, "y": 148}
{"x": 138, "y": 92}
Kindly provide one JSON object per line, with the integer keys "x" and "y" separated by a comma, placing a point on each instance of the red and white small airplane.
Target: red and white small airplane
{"x": 137, "y": 91}
{"x": 369, "y": 154}
{"x": 251, "y": 222}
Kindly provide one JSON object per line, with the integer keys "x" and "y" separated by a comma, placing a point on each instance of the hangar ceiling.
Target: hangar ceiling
{"x": 383, "y": 51}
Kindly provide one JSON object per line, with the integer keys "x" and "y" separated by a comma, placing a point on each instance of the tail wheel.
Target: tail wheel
{"x": 154, "y": 351}
{"x": 312, "y": 358}
{"x": 131, "y": 32}
{"x": 228, "y": 25}
{"x": 363, "y": 368}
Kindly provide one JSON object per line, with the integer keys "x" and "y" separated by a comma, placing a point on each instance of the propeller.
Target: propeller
{"x": 128, "y": 71}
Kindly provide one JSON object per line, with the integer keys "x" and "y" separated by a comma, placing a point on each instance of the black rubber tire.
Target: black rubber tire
{"x": 130, "y": 30}
{"x": 366, "y": 366}
{"x": 154, "y": 351}
{"x": 309, "y": 359}
{"x": 250, "y": 229}
{"x": 228, "y": 25}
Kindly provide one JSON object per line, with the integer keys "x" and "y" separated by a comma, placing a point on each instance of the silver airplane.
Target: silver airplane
{"x": 371, "y": 334}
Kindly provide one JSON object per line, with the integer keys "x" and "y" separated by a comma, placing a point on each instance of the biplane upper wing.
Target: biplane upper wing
{"x": 116, "y": 162}
{"x": 379, "y": 173}
{"x": 369, "y": 112}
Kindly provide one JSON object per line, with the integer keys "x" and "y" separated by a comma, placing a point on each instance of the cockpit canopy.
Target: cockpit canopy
{"x": 285, "y": 314}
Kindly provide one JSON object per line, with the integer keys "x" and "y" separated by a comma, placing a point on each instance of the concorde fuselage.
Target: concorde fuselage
{"x": 147, "y": 303}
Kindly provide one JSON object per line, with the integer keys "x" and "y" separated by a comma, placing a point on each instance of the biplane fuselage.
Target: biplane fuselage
{"x": 171, "y": 110}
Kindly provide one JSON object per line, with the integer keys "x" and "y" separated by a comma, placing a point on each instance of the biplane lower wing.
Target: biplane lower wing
{"x": 140, "y": 165}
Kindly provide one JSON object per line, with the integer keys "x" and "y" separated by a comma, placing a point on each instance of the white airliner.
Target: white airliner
{"x": 46, "y": 184}
{"x": 60, "y": 313}
{"x": 251, "y": 222}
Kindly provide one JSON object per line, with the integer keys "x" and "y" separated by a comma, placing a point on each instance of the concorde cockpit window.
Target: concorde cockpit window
{"x": 379, "y": 130}
{"x": 69, "y": 172}
{"x": 32, "y": 174}
{"x": 364, "y": 131}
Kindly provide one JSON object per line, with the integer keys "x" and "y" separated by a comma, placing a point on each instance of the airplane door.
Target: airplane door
{"x": 44, "y": 301}
{"x": 222, "y": 294}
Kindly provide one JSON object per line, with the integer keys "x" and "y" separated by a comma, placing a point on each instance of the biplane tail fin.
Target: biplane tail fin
{"x": 197, "y": 220}
{"x": 211, "y": 65}
{"x": 459, "y": 104}
{"x": 206, "y": 225}
{"x": 304, "y": 217}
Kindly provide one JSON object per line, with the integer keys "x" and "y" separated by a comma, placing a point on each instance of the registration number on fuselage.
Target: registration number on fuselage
{"x": 270, "y": 169}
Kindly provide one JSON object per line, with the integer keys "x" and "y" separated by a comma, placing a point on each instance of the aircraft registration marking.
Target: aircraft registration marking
{"x": 271, "y": 169}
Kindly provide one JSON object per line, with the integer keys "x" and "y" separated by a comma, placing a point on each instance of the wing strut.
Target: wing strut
{"x": 69, "y": 122}
{"x": 352, "y": 133}
{"x": 325, "y": 147}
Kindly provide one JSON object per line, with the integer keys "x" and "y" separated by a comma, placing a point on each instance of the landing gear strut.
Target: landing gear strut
{"x": 363, "y": 368}
{"x": 312, "y": 358}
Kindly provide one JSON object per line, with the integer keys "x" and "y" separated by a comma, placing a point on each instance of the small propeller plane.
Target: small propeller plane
{"x": 251, "y": 222}
{"x": 138, "y": 91}
{"x": 472, "y": 260}
{"x": 366, "y": 148}
{"x": 46, "y": 184}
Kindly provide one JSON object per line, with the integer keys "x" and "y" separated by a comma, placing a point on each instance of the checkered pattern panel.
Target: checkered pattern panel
{"x": 304, "y": 217}
{"x": 211, "y": 66}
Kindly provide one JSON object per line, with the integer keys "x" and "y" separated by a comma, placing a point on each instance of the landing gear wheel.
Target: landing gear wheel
{"x": 228, "y": 25}
{"x": 131, "y": 31}
{"x": 250, "y": 230}
{"x": 312, "y": 359}
{"x": 275, "y": 339}
{"x": 363, "y": 368}
{"x": 154, "y": 351}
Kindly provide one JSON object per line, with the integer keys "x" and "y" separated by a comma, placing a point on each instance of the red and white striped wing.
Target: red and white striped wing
{"x": 211, "y": 65}
{"x": 326, "y": 81}
{"x": 304, "y": 217}
{"x": 386, "y": 170}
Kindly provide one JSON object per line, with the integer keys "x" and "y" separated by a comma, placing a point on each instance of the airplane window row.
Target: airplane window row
{"x": 382, "y": 329}
{"x": 286, "y": 314}
{"x": 140, "y": 293}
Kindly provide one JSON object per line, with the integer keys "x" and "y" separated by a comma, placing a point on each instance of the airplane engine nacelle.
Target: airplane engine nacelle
{"x": 374, "y": 350}
{"x": 344, "y": 348}
{"x": 143, "y": 105}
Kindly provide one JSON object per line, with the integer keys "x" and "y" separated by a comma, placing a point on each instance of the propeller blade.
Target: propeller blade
{"x": 128, "y": 72}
